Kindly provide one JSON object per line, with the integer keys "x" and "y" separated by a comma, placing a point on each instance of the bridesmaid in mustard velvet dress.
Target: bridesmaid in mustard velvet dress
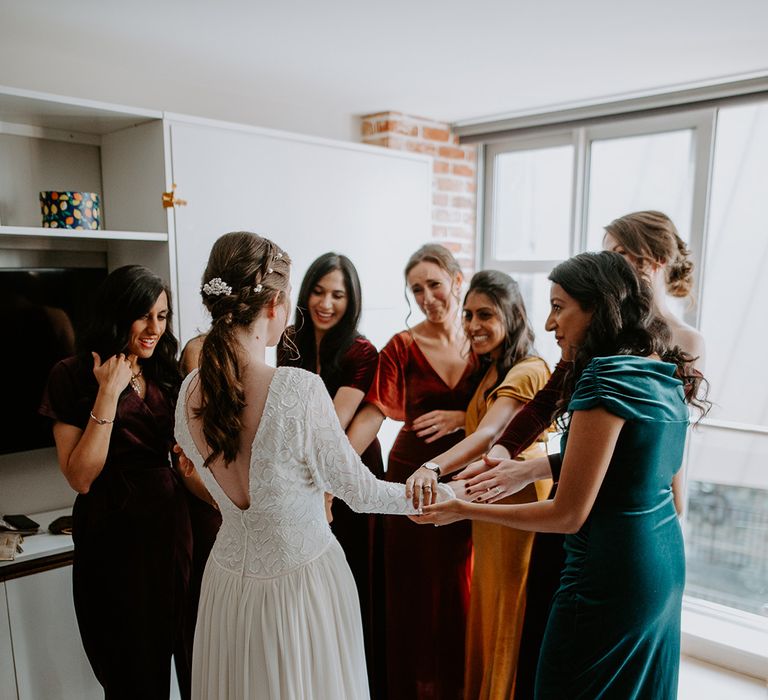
{"x": 614, "y": 627}
{"x": 497, "y": 326}
{"x": 426, "y": 369}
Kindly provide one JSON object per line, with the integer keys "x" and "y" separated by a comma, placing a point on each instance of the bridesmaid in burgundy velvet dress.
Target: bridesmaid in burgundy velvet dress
{"x": 325, "y": 340}
{"x": 425, "y": 371}
{"x": 113, "y": 409}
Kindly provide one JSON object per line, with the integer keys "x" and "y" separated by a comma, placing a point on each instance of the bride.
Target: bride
{"x": 279, "y": 616}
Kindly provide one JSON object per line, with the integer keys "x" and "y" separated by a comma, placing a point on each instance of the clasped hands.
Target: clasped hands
{"x": 486, "y": 480}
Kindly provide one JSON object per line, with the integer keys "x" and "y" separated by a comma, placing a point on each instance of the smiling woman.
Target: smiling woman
{"x": 496, "y": 323}
{"x": 113, "y": 410}
{"x": 426, "y": 370}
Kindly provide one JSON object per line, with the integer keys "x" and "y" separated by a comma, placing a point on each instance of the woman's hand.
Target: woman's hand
{"x": 442, "y": 513}
{"x": 421, "y": 487}
{"x": 473, "y": 469}
{"x": 481, "y": 466}
{"x": 501, "y": 478}
{"x": 459, "y": 489}
{"x": 437, "y": 424}
{"x": 114, "y": 374}
{"x": 185, "y": 464}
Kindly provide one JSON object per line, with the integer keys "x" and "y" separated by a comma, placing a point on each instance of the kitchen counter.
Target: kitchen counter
{"x": 42, "y": 551}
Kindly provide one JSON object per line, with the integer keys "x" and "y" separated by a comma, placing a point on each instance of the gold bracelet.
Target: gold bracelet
{"x": 101, "y": 421}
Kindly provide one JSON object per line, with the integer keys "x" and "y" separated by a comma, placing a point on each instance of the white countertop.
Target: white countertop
{"x": 43, "y": 544}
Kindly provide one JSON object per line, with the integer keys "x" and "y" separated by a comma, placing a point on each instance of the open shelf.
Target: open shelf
{"x": 64, "y": 234}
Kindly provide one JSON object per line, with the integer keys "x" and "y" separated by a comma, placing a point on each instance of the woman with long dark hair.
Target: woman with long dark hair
{"x": 614, "y": 627}
{"x": 324, "y": 340}
{"x": 113, "y": 409}
{"x": 497, "y": 326}
{"x": 651, "y": 243}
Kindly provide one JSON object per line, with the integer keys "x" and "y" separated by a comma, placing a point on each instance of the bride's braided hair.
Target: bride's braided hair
{"x": 245, "y": 273}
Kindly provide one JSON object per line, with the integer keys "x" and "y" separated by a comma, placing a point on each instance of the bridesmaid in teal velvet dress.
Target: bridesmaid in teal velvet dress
{"x": 614, "y": 627}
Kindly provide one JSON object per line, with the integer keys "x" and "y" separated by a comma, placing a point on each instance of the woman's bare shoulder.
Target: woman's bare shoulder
{"x": 689, "y": 339}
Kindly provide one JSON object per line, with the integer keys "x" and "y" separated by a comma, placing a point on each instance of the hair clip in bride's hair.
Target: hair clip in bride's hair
{"x": 216, "y": 287}
{"x": 277, "y": 256}
{"x": 258, "y": 288}
{"x": 269, "y": 270}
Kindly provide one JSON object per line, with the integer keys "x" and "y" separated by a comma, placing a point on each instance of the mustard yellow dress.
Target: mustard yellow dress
{"x": 501, "y": 556}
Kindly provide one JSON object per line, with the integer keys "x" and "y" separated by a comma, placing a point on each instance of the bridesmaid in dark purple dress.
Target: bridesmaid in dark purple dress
{"x": 325, "y": 340}
{"x": 113, "y": 409}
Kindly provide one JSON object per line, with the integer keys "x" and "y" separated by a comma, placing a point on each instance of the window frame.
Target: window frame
{"x": 711, "y": 631}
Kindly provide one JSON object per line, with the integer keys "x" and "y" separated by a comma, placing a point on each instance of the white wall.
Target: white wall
{"x": 82, "y": 50}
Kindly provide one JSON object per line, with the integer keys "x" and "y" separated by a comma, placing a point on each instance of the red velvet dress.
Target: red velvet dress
{"x": 132, "y": 541}
{"x": 427, "y": 569}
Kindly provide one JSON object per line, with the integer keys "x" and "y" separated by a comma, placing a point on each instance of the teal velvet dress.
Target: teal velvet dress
{"x": 614, "y": 626}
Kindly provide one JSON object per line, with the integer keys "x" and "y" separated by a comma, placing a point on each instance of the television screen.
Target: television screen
{"x": 41, "y": 310}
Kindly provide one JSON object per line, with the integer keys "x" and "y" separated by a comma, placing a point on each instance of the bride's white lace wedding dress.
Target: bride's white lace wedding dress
{"x": 279, "y": 615}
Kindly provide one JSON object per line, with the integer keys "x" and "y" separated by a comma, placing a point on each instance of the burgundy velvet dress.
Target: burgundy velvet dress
{"x": 132, "y": 541}
{"x": 427, "y": 569}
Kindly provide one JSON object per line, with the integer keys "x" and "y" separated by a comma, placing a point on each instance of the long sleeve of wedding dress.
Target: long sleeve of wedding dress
{"x": 336, "y": 466}
{"x": 279, "y": 616}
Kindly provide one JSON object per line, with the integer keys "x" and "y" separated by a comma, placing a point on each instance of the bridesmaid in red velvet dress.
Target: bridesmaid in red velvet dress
{"x": 324, "y": 339}
{"x": 427, "y": 370}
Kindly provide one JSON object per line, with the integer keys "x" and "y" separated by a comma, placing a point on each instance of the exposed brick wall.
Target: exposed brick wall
{"x": 454, "y": 175}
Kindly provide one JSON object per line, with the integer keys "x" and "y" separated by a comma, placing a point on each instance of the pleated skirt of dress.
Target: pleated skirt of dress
{"x": 297, "y": 636}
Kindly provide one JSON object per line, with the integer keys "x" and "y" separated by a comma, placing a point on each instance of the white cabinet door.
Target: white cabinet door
{"x": 308, "y": 195}
{"x": 50, "y": 661}
{"x": 7, "y": 675}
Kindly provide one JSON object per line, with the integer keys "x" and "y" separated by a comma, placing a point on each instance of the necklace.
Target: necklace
{"x": 135, "y": 385}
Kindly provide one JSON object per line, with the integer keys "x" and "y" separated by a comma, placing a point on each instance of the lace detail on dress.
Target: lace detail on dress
{"x": 299, "y": 452}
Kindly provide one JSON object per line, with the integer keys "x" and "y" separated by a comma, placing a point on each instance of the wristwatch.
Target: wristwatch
{"x": 433, "y": 467}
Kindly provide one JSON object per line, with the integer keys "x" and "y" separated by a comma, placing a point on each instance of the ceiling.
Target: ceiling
{"x": 314, "y": 66}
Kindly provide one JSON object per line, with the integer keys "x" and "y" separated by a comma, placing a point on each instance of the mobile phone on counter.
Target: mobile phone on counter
{"x": 22, "y": 523}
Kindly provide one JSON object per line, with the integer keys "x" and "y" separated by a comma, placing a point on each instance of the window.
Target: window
{"x": 727, "y": 528}
{"x": 529, "y": 219}
{"x": 532, "y": 217}
{"x": 651, "y": 171}
{"x": 708, "y": 170}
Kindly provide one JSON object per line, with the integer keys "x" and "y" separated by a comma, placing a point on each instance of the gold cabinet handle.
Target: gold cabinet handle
{"x": 170, "y": 199}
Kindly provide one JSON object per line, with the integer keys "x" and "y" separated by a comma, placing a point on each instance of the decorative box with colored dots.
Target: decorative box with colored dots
{"x": 74, "y": 210}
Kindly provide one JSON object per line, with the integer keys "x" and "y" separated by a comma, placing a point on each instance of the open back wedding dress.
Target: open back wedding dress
{"x": 279, "y": 615}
